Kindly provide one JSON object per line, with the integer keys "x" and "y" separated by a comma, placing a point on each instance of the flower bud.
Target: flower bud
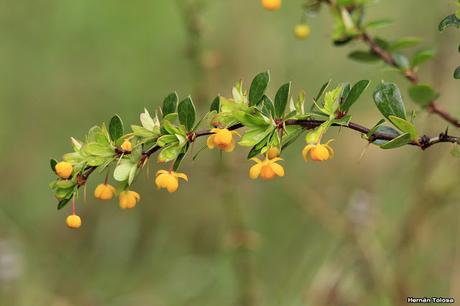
{"x": 127, "y": 146}
{"x": 302, "y": 31}
{"x": 73, "y": 221}
{"x": 128, "y": 199}
{"x": 273, "y": 152}
{"x": 271, "y": 5}
{"x": 64, "y": 169}
{"x": 104, "y": 192}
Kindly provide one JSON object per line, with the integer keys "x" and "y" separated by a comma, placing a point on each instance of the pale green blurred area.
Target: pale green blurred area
{"x": 351, "y": 231}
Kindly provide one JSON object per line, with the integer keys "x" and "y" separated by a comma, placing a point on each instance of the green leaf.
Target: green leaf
{"x": 115, "y": 128}
{"x": 422, "y": 56}
{"x": 166, "y": 140}
{"x": 132, "y": 174}
{"x": 401, "y": 60}
{"x": 97, "y": 149}
{"x": 457, "y": 73}
{"x": 53, "y": 164}
{"x": 255, "y": 119}
{"x": 377, "y": 24}
{"x": 388, "y": 130}
{"x": 65, "y": 184}
{"x": 140, "y": 131}
{"x": 354, "y": 94}
{"x": 187, "y": 113}
{"x": 254, "y": 136}
{"x": 258, "y": 86}
{"x": 375, "y": 127}
{"x": 268, "y": 108}
{"x": 215, "y": 105}
{"x": 169, "y": 104}
{"x": 62, "y": 203}
{"x": 403, "y": 43}
{"x": 388, "y": 99}
{"x": 399, "y": 141}
{"x": 364, "y": 56}
{"x": 180, "y": 158}
{"x": 423, "y": 94}
{"x": 449, "y": 21}
{"x": 331, "y": 100}
{"x": 404, "y": 126}
{"x": 281, "y": 99}
{"x": 121, "y": 172}
{"x": 169, "y": 153}
{"x": 322, "y": 90}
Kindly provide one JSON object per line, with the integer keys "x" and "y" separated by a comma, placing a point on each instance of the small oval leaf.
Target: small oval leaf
{"x": 388, "y": 99}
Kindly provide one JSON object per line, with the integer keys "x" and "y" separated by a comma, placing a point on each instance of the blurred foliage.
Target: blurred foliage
{"x": 353, "y": 231}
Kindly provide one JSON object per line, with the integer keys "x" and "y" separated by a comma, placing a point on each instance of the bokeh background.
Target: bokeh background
{"x": 352, "y": 231}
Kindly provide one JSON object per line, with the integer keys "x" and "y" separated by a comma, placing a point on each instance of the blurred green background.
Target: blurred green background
{"x": 352, "y": 231}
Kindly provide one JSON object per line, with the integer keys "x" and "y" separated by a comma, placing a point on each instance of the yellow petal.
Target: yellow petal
{"x": 273, "y": 160}
{"x": 182, "y": 176}
{"x": 210, "y": 141}
{"x": 306, "y": 150}
{"x": 278, "y": 169}
{"x": 236, "y": 133}
{"x": 230, "y": 147}
{"x": 256, "y": 160}
{"x": 331, "y": 151}
{"x": 161, "y": 172}
{"x": 254, "y": 171}
{"x": 173, "y": 185}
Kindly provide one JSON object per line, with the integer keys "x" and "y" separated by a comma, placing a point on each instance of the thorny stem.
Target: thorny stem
{"x": 409, "y": 74}
{"x": 424, "y": 142}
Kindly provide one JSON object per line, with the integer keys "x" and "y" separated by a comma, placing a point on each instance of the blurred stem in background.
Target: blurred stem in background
{"x": 239, "y": 237}
{"x": 192, "y": 11}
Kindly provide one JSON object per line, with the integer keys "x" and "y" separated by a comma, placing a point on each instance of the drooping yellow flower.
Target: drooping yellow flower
{"x": 273, "y": 152}
{"x": 64, "y": 169}
{"x": 222, "y": 139}
{"x": 302, "y": 31}
{"x": 271, "y": 5}
{"x": 266, "y": 169}
{"x": 73, "y": 221}
{"x": 318, "y": 152}
{"x": 127, "y": 146}
{"x": 169, "y": 180}
{"x": 104, "y": 192}
{"x": 128, "y": 199}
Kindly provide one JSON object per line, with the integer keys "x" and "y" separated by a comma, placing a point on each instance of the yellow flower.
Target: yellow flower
{"x": 128, "y": 199}
{"x": 169, "y": 180}
{"x": 302, "y": 31}
{"x": 127, "y": 146}
{"x": 223, "y": 139}
{"x": 271, "y": 5}
{"x": 266, "y": 169}
{"x": 318, "y": 152}
{"x": 273, "y": 152}
{"x": 73, "y": 221}
{"x": 64, "y": 169}
{"x": 104, "y": 192}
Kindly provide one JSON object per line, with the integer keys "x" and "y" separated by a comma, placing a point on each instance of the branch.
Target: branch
{"x": 423, "y": 142}
{"x": 411, "y": 75}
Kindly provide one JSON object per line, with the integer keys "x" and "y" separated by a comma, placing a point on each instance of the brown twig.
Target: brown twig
{"x": 411, "y": 75}
{"x": 422, "y": 142}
